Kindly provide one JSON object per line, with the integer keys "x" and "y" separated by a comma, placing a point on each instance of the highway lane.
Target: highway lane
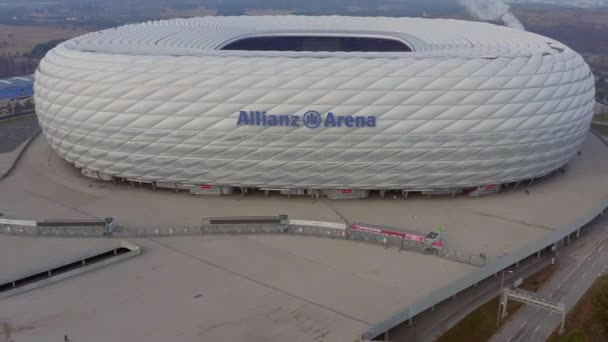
{"x": 431, "y": 324}
{"x": 577, "y": 274}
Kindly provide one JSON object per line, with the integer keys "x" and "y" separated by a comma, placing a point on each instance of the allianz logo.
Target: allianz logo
{"x": 310, "y": 119}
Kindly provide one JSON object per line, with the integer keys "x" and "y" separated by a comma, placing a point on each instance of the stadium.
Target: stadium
{"x": 337, "y": 106}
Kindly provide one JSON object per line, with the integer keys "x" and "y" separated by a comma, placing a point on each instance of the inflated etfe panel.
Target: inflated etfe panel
{"x": 462, "y": 104}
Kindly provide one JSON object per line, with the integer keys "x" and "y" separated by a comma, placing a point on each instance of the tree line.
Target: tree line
{"x": 26, "y": 63}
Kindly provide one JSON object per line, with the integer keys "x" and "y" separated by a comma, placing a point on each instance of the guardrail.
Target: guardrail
{"x": 235, "y": 226}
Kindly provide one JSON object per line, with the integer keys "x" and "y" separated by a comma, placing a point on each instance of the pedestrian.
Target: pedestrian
{"x": 66, "y": 339}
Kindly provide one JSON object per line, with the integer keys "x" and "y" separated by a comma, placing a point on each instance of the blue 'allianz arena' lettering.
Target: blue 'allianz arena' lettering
{"x": 310, "y": 120}
{"x": 257, "y": 118}
{"x": 332, "y": 120}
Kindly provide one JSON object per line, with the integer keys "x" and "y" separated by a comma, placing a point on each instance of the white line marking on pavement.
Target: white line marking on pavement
{"x": 573, "y": 286}
{"x": 509, "y": 339}
{"x": 601, "y": 247}
{"x": 537, "y": 327}
{"x": 536, "y": 310}
{"x": 523, "y": 325}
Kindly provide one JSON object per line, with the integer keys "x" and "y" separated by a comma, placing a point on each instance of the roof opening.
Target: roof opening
{"x": 318, "y": 44}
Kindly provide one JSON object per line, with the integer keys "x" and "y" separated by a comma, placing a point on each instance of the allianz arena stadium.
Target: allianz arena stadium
{"x": 331, "y": 105}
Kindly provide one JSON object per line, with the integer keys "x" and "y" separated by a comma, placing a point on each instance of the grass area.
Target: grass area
{"x": 583, "y": 323}
{"x": 480, "y": 324}
{"x": 16, "y": 40}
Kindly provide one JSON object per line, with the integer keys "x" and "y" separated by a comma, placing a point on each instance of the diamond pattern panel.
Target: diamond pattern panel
{"x": 474, "y": 104}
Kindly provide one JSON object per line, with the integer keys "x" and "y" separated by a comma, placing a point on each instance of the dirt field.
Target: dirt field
{"x": 170, "y": 13}
{"x": 21, "y": 39}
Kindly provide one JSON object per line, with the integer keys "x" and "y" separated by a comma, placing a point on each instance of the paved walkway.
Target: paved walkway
{"x": 14, "y": 137}
{"x": 266, "y": 288}
{"x": 8, "y": 159}
{"x": 221, "y": 288}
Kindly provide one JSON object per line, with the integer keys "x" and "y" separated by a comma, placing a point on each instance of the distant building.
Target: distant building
{"x": 16, "y": 96}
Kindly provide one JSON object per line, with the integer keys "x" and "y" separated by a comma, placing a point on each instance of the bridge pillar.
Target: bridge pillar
{"x": 538, "y": 254}
{"x": 578, "y": 233}
{"x": 503, "y": 300}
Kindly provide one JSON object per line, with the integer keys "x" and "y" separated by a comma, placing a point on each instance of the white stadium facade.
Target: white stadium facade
{"x": 333, "y": 105}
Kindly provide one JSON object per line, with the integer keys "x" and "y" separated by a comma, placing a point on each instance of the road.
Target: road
{"x": 577, "y": 273}
{"x": 429, "y": 325}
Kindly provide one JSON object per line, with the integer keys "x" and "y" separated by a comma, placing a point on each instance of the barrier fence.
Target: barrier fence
{"x": 235, "y": 226}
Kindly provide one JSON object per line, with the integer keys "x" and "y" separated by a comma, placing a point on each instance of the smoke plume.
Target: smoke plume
{"x": 492, "y": 10}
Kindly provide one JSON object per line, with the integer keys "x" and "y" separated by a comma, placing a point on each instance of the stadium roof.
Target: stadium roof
{"x": 209, "y": 35}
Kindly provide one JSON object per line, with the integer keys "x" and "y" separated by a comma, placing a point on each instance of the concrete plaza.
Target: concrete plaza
{"x": 257, "y": 288}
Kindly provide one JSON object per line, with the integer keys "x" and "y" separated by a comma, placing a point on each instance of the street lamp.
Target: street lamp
{"x": 502, "y": 280}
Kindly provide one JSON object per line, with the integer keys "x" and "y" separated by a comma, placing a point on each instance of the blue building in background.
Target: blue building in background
{"x": 16, "y": 96}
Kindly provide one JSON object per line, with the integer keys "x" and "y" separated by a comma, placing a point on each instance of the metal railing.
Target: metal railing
{"x": 233, "y": 226}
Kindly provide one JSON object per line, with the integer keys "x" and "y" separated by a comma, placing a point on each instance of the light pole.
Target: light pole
{"x": 502, "y": 280}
